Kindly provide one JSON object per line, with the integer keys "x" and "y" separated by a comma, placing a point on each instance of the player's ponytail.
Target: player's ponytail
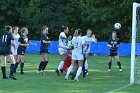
{"x": 77, "y": 32}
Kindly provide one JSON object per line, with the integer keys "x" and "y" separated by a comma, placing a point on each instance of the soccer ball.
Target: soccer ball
{"x": 117, "y": 26}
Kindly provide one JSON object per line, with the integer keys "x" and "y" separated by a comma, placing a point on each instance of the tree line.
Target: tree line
{"x": 98, "y": 15}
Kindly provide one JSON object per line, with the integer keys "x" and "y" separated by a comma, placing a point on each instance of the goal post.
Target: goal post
{"x": 135, "y": 30}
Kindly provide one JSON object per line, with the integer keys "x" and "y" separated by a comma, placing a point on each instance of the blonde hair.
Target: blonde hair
{"x": 23, "y": 29}
{"x": 89, "y": 30}
{"x": 77, "y": 32}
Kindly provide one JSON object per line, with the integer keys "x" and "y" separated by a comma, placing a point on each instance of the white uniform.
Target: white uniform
{"x": 89, "y": 40}
{"x": 77, "y": 52}
{"x": 16, "y": 37}
{"x": 62, "y": 42}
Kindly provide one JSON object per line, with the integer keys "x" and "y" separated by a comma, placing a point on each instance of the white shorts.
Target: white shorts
{"x": 14, "y": 52}
{"x": 77, "y": 56}
{"x": 62, "y": 51}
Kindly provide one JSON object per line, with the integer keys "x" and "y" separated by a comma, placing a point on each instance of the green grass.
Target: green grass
{"x": 98, "y": 81}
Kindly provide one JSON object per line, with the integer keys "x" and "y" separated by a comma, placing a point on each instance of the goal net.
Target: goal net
{"x": 135, "y": 49}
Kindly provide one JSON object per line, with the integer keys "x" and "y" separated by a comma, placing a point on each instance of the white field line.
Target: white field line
{"x": 119, "y": 88}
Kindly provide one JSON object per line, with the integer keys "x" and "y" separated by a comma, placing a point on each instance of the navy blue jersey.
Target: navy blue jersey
{"x": 23, "y": 40}
{"x": 114, "y": 44}
{"x": 44, "y": 37}
{"x": 5, "y": 40}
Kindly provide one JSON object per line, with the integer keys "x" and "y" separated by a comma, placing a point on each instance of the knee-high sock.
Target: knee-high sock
{"x": 109, "y": 65}
{"x": 40, "y": 65}
{"x": 12, "y": 69}
{"x": 86, "y": 64}
{"x": 45, "y": 64}
{"x": 69, "y": 70}
{"x": 60, "y": 65}
{"x": 3, "y": 69}
{"x": 16, "y": 65}
{"x": 119, "y": 64}
{"x": 78, "y": 72}
{"x": 21, "y": 66}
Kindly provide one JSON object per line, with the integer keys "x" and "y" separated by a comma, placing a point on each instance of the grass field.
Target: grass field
{"x": 98, "y": 81}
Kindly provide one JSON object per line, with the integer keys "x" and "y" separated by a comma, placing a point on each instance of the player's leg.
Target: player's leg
{"x": 80, "y": 63}
{"x": 60, "y": 66}
{"x": 41, "y": 65}
{"x": 3, "y": 67}
{"x": 70, "y": 69}
{"x": 12, "y": 66}
{"x": 86, "y": 63}
{"x": 17, "y": 63}
{"x": 110, "y": 63}
{"x": 46, "y": 58}
{"x": 118, "y": 62}
{"x": 22, "y": 64}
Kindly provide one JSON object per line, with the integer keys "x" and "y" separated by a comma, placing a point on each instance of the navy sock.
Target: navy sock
{"x": 119, "y": 64}
{"x": 109, "y": 65}
{"x": 41, "y": 65}
{"x": 45, "y": 64}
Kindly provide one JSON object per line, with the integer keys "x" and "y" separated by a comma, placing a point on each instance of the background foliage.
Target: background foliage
{"x": 98, "y": 15}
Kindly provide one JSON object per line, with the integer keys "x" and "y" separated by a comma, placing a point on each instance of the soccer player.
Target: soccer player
{"x": 45, "y": 43}
{"x": 23, "y": 43}
{"x": 77, "y": 54}
{"x": 89, "y": 38}
{"x": 5, "y": 50}
{"x": 62, "y": 42}
{"x": 113, "y": 44}
{"x": 16, "y": 37}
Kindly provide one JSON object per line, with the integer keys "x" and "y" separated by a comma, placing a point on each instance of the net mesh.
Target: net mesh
{"x": 137, "y": 60}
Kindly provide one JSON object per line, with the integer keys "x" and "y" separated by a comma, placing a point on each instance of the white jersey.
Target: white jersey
{"x": 89, "y": 40}
{"x": 77, "y": 43}
{"x": 62, "y": 42}
{"x": 16, "y": 37}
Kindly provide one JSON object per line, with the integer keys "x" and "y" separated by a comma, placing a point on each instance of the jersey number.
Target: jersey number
{"x": 4, "y": 38}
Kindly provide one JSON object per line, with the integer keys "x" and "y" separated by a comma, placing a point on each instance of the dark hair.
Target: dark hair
{"x": 77, "y": 32}
{"x": 23, "y": 29}
{"x": 7, "y": 28}
{"x": 63, "y": 28}
{"x": 44, "y": 27}
{"x": 116, "y": 35}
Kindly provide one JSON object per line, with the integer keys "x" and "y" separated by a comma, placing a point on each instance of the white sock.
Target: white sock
{"x": 86, "y": 64}
{"x": 69, "y": 70}
{"x": 78, "y": 72}
{"x": 60, "y": 65}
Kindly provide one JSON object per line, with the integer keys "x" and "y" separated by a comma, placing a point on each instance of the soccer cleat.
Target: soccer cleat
{"x": 66, "y": 77}
{"x": 42, "y": 72}
{"x": 120, "y": 70}
{"x": 73, "y": 76}
{"x": 76, "y": 79}
{"x": 5, "y": 78}
{"x": 109, "y": 70}
{"x": 57, "y": 72}
{"x": 12, "y": 77}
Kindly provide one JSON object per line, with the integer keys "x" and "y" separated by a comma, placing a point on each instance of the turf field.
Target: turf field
{"x": 98, "y": 81}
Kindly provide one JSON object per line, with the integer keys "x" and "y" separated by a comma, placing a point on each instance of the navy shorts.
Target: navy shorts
{"x": 5, "y": 52}
{"x": 43, "y": 50}
{"x": 21, "y": 51}
{"x": 113, "y": 54}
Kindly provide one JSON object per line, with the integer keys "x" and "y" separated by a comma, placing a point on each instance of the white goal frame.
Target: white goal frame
{"x": 133, "y": 44}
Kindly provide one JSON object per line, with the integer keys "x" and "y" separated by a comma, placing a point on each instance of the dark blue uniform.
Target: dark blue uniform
{"x": 44, "y": 47}
{"x": 114, "y": 48}
{"x": 21, "y": 49}
{"x": 5, "y": 44}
